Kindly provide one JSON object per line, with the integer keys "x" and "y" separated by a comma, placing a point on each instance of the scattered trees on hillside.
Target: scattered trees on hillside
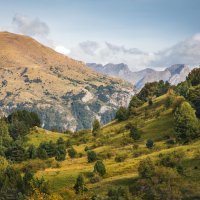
{"x": 186, "y": 123}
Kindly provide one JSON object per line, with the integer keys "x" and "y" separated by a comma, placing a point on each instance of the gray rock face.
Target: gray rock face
{"x": 174, "y": 74}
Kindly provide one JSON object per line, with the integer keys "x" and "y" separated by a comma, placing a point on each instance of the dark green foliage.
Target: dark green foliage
{"x": 150, "y": 102}
{"x": 171, "y": 160}
{"x": 49, "y": 147}
{"x": 18, "y": 129}
{"x": 31, "y": 119}
{"x": 32, "y": 152}
{"x": 135, "y": 102}
{"x": 79, "y": 186}
{"x": 194, "y": 77}
{"x": 121, "y": 114}
{"x": 117, "y": 194}
{"x": 164, "y": 183}
{"x": 182, "y": 89}
{"x": 169, "y": 101}
{"x": 11, "y": 183}
{"x": 72, "y": 152}
{"x": 5, "y": 138}
{"x": 41, "y": 153}
{"x": 60, "y": 152}
{"x": 92, "y": 156}
{"x": 153, "y": 89}
{"x": 149, "y": 144}
{"x": 60, "y": 141}
{"x": 15, "y": 153}
{"x": 146, "y": 168}
{"x": 96, "y": 127}
{"x": 134, "y": 133}
{"x": 27, "y": 181}
{"x": 194, "y": 98}
{"x": 186, "y": 123}
{"x": 21, "y": 121}
{"x": 99, "y": 168}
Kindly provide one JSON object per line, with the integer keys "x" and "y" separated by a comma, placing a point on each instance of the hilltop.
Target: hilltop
{"x": 58, "y": 88}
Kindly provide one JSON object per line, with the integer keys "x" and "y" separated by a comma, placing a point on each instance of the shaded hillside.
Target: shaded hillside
{"x": 65, "y": 93}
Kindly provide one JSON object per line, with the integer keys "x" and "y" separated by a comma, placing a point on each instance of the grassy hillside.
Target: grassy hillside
{"x": 154, "y": 122}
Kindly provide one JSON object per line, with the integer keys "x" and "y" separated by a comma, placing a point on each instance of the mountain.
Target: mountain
{"x": 174, "y": 74}
{"x": 64, "y": 92}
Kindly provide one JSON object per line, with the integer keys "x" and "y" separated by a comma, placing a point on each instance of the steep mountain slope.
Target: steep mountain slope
{"x": 174, "y": 74}
{"x": 65, "y": 93}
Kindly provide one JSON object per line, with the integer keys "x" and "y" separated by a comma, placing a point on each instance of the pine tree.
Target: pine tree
{"x": 79, "y": 186}
{"x": 99, "y": 167}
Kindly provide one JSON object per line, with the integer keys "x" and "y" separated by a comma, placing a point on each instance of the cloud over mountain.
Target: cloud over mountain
{"x": 31, "y": 27}
{"x": 187, "y": 52}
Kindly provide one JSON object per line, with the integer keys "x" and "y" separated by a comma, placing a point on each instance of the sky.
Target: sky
{"x": 140, "y": 33}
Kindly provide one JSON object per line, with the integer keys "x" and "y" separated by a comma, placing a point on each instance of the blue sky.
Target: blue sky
{"x": 84, "y": 27}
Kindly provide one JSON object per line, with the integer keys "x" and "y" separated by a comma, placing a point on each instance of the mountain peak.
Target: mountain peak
{"x": 177, "y": 68}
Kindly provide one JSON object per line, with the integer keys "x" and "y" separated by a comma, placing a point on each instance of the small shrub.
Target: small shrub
{"x": 92, "y": 156}
{"x": 149, "y": 144}
{"x": 99, "y": 168}
{"x": 120, "y": 158}
{"x": 72, "y": 152}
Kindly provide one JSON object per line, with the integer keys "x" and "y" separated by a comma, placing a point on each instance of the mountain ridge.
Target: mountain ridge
{"x": 174, "y": 74}
{"x": 64, "y": 92}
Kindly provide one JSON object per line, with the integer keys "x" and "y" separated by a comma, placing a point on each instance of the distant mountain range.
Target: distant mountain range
{"x": 64, "y": 92}
{"x": 174, "y": 74}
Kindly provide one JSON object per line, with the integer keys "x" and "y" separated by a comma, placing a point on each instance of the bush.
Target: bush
{"x": 95, "y": 179}
{"x": 120, "y": 158}
{"x": 171, "y": 160}
{"x": 92, "y": 156}
{"x": 79, "y": 186}
{"x": 32, "y": 152}
{"x": 42, "y": 154}
{"x": 99, "y": 168}
{"x": 121, "y": 114}
{"x": 146, "y": 168}
{"x": 134, "y": 133}
{"x": 60, "y": 152}
{"x": 72, "y": 152}
{"x": 149, "y": 144}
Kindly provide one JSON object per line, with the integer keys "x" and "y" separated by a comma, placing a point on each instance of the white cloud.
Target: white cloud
{"x": 28, "y": 26}
{"x": 186, "y": 52}
{"x": 62, "y": 49}
{"x": 90, "y": 51}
